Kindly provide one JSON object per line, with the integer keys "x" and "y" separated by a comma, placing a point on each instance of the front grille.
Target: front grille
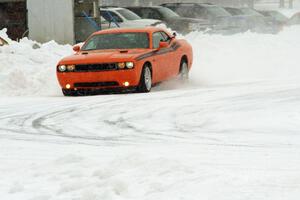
{"x": 96, "y": 67}
{"x": 96, "y": 84}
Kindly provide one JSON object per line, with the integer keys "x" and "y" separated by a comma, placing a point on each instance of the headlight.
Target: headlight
{"x": 121, "y": 65}
{"x": 62, "y": 68}
{"x": 70, "y": 68}
{"x": 129, "y": 65}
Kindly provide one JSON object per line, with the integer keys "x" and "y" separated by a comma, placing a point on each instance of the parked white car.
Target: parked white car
{"x": 124, "y": 18}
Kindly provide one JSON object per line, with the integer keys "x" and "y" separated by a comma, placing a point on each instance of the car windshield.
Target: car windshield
{"x": 248, "y": 11}
{"x": 127, "y": 14}
{"x": 167, "y": 13}
{"x": 278, "y": 16}
{"x": 234, "y": 11}
{"x": 218, "y": 11}
{"x": 117, "y": 41}
{"x": 295, "y": 19}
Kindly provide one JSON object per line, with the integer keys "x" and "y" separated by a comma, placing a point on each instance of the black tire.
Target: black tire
{"x": 184, "y": 71}
{"x": 145, "y": 85}
{"x": 69, "y": 93}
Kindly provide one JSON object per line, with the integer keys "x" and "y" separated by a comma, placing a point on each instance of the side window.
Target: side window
{"x": 146, "y": 13}
{"x": 172, "y": 8}
{"x": 111, "y": 16}
{"x": 205, "y": 14}
{"x": 154, "y": 14}
{"x": 150, "y": 14}
{"x": 201, "y": 13}
{"x": 137, "y": 11}
{"x": 91, "y": 45}
{"x": 103, "y": 20}
{"x": 157, "y": 38}
{"x": 166, "y": 37}
{"x": 183, "y": 11}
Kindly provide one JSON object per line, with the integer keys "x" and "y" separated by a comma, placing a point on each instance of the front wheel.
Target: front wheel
{"x": 145, "y": 85}
{"x": 69, "y": 93}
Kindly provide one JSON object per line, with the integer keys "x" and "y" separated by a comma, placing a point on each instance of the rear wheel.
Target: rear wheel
{"x": 145, "y": 85}
{"x": 184, "y": 71}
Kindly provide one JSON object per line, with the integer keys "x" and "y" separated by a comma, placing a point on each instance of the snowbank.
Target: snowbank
{"x": 245, "y": 57}
{"x": 218, "y": 59}
{"x": 28, "y": 70}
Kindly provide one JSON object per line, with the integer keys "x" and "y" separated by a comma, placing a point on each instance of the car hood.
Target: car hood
{"x": 103, "y": 56}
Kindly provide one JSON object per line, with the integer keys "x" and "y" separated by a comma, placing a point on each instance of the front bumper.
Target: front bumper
{"x": 98, "y": 80}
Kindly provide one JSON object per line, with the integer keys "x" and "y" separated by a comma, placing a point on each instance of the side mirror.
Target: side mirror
{"x": 163, "y": 45}
{"x": 76, "y": 48}
{"x": 174, "y": 34}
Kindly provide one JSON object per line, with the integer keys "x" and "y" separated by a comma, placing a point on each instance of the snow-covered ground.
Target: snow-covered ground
{"x": 233, "y": 133}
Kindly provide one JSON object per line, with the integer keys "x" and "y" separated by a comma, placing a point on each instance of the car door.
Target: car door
{"x": 163, "y": 58}
{"x": 173, "y": 56}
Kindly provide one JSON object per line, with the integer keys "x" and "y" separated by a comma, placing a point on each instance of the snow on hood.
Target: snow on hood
{"x": 218, "y": 59}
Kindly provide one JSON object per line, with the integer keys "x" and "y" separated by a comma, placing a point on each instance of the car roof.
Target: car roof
{"x": 232, "y": 8}
{"x": 144, "y": 7}
{"x": 269, "y": 11}
{"x": 111, "y": 8}
{"x": 190, "y": 4}
{"x": 149, "y": 29}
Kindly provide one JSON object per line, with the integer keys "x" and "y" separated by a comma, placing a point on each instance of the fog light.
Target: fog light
{"x": 68, "y": 86}
{"x": 126, "y": 84}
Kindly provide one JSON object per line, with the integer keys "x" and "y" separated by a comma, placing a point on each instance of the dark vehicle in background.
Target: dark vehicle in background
{"x": 222, "y": 21}
{"x": 171, "y": 19}
{"x": 254, "y": 21}
{"x": 295, "y": 19}
{"x": 251, "y": 11}
{"x": 268, "y": 26}
{"x": 274, "y": 16}
{"x": 234, "y": 11}
{"x": 198, "y": 10}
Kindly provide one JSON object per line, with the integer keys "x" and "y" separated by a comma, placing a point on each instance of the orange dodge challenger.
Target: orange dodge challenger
{"x": 124, "y": 59}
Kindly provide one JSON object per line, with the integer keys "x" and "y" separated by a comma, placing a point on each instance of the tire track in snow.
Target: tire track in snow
{"x": 192, "y": 115}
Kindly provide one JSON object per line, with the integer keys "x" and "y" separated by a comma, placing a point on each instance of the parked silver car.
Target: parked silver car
{"x": 122, "y": 17}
